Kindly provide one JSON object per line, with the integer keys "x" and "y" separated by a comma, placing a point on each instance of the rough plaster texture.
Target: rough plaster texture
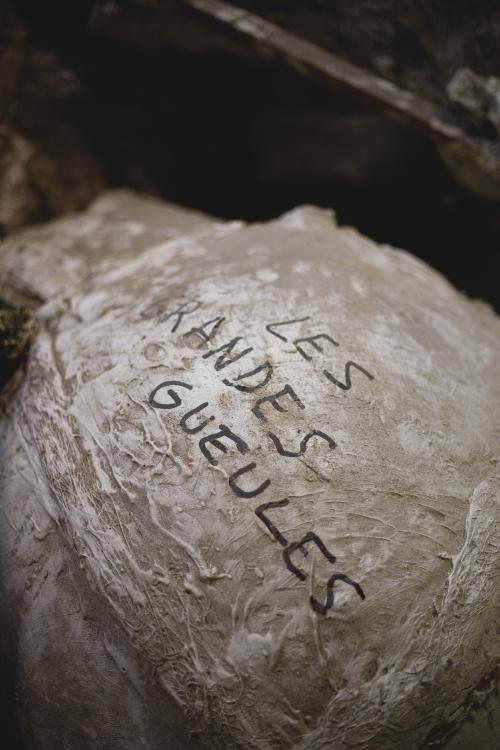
{"x": 159, "y": 601}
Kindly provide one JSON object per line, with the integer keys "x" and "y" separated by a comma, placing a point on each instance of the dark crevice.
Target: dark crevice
{"x": 241, "y": 138}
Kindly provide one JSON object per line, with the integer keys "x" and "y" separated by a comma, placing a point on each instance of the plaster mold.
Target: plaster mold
{"x": 250, "y": 491}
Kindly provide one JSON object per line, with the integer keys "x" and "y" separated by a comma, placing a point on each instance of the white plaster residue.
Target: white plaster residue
{"x": 158, "y": 255}
{"x": 87, "y": 225}
{"x": 223, "y": 229}
{"x": 257, "y": 250}
{"x": 193, "y": 250}
{"x": 334, "y": 298}
{"x": 71, "y": 266}
{"x": 379, "y": 259}
{"x": 406, "y": 355}
{"x": 371, "y": 561}
{"x": 246, "y": 647}
{"x": 446, "y": 329}
{"x": 134, "y": 227}
{"x": 475, "y": 354}
{"x": 301, "y": 266}
{"x": 414, "y": 441}
{"x": 191, "y": 587}
{"x": 267, "y": 275}
{"x": 90, "y": 306}
{"x": 359, "y": 287}
{"x": 294, "y": 220}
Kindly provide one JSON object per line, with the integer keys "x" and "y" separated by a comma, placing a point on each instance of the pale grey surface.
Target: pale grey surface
{"x": 112, "y": 509}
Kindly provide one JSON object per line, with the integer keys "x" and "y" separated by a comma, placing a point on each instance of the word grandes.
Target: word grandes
{"x": 168, "y": 395}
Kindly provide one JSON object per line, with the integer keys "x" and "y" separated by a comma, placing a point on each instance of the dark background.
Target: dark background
{"x": 136, "y": 94}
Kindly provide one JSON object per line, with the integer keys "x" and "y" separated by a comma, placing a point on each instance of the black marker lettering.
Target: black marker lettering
{"x": 180, "y": 312}
{"x": 313, "y": 341}
{"x": 176, "y": 400}
{"x": 270, "y": 326}
{"x": 191, "y": 413}
{"x": 248, "y": 382}
{"x": 322, "y": 609}
{"x": 223, "y": 360}
{"x": 246, "y": 493}
{"x": 214, "y": 439}
{"x": 268, "y": 369}
{"x": 309, "y": 537}
{"x": 347, "y": 385}
{"x": 260, "y": 512}
{"x": 205, "y": 336}
{"x": 287, "y": 391}
{"x": 303, "y": 443}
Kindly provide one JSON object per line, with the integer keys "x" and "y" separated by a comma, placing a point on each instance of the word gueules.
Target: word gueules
{"x": 168, "y": 395}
